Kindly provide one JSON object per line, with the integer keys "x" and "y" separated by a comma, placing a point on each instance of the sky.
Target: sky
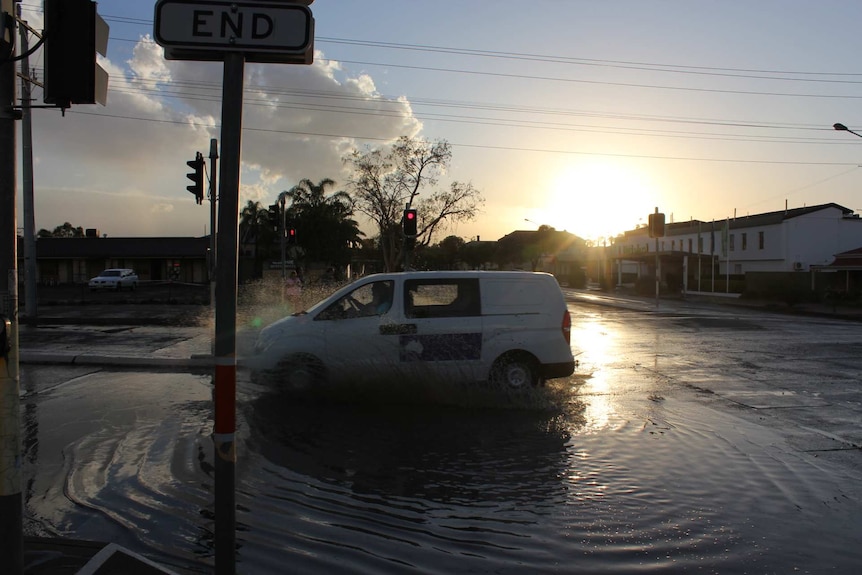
{"x": 585, "y": 115}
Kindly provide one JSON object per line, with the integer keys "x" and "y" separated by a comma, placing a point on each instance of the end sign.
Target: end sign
{"x": 270, "y": 32}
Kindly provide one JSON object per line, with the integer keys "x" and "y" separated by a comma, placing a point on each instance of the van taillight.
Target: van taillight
{"x": 567, "y": 326}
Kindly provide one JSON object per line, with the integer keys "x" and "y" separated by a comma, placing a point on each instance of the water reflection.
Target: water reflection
{"x": 434, "y": 452}
{"x": 595, "y": 344}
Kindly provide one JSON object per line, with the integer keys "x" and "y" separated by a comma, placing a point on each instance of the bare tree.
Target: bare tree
{"x": 384, "y": 182}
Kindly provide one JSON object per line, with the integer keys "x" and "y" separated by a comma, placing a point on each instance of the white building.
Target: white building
{"x": 782, "y": 241}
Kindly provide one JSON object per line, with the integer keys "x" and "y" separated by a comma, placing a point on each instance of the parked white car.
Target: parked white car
{"x": 511, "y": 329}
{"x": 115, "y": 279}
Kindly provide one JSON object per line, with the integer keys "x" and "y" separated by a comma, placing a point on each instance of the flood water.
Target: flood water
{"x": 614, "y": 470}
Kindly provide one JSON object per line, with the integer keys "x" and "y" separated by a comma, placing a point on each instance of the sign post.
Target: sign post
{"x": 235, "y": 33}
{"x": 656, "y": 230}
{"x": 225, "y": 320}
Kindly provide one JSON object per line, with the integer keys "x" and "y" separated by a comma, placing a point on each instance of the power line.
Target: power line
{"x": 595, "y": 82}
{"x": 204, "y": 91}
{"x": 478, "y": 146}
{"x": 629, "y": 65}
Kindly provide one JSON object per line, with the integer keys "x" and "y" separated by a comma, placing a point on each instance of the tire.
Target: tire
{"x": 515, "y": 372}
{"x": 300, "y": 373}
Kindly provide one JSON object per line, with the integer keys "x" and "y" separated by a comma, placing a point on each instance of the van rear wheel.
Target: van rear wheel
{"x": 515, "y": 372}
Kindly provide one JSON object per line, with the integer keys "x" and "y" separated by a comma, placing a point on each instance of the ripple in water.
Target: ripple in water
{"x": 358, "y": 484}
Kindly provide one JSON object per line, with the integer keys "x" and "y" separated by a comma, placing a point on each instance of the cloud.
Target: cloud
{"x": 298, "y": 122}
{"x": 162, "y": 208}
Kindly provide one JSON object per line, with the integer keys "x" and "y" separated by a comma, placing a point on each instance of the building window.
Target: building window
{"x": 712, "y": 243}
{"x": 760, "y": 240}
{"x": 731, "y": 242}
{"x": 699, "y": 245}
{"x": 673, "y": 245}
{"x": 744, "y": 241}
{"x": 689, "y": 245}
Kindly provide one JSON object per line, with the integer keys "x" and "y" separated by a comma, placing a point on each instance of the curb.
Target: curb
{"x": 47, "y": 358}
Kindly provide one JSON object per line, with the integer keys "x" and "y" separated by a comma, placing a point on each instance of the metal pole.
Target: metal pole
{"x": 213, "y": 204}
{"x": 727, "y": 261}
{"x": 11, "y": 500}
{"x": 712, "y": 255}
{"x": 657, "y": 270}
{"x": 283, "y": 237}
{"x": 30, "y": 295}
{"x": 699, "y": 257}
{"x": 225, "y": 336}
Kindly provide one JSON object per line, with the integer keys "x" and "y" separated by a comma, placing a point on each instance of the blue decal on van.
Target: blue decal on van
{"x": 440, "y": 347}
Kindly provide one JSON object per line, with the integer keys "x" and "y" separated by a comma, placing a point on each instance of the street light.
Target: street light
{"x": 531, "y": 222}
{"x": 842, "y": 128}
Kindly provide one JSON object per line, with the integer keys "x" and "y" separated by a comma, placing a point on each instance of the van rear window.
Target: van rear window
{"x": 442, "y": 298}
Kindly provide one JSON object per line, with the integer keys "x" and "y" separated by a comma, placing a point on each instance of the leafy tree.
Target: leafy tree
{"x": 534, "y": 246}
{"x": 383, "y": 182}
{"x": 451, "y": 248}
{"x": 478, "y": 254}
{"x": 256, "y": 227}
{"x": 64, "y": 231}
{"x": 324, "y": 224}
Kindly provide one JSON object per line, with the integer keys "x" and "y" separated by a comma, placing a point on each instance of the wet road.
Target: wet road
{"x": 691, "y": 439}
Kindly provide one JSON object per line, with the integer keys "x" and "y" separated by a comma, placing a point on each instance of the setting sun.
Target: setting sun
{"x": 597, "y": 198}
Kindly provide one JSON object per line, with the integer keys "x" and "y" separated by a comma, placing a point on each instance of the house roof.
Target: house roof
{"x": 851, "y": 259}
{"x": 756, "y": 220}
{"x": 96, "y": 248}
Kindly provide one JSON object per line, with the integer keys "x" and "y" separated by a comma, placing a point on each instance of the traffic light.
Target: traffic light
{"x": 73, "y": 33}
{"x": 656, "y": 225}
{"x": 291, "y": 236}
{"x": 197, "y": 177}
{"x": 410, "y": 223}
{"x": 274, "y": 217}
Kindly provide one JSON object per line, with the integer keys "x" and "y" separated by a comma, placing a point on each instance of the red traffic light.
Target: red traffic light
{"x": 409, "y": 223}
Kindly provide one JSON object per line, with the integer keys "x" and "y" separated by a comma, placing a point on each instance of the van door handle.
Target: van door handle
{"x": 397, "y": 328}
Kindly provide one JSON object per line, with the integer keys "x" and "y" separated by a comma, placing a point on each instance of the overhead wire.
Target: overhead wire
{"x": 179, "y": 89}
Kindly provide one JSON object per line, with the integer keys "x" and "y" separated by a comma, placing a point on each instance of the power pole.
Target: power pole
{"x": 30, "y": 293}
{"x": 11, "y": 500}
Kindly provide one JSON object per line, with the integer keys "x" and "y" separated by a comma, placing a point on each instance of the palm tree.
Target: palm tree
{"x": 256, "y": 227}
{"x": 324, "y": 224}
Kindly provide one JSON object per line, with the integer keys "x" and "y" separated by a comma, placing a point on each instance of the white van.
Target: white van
{"x": 511, "y": 329}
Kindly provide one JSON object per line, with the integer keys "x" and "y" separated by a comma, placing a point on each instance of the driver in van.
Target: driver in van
{"x": 381, "y": 298}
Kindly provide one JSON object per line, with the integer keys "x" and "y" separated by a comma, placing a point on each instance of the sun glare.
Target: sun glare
{"x": 598, "y": 198}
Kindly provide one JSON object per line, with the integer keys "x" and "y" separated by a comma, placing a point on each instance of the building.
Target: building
{"x": 76, "y": 260}
{"x": 546, "y": 249}
{"x": 791, "y": 240}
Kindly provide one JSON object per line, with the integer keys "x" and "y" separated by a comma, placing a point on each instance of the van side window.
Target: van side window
{"x": 442, "y": 298}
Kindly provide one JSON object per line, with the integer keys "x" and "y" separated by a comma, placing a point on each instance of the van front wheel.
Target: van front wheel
{"x": 515, "y": 371}
{"x": 298, "y": 373}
